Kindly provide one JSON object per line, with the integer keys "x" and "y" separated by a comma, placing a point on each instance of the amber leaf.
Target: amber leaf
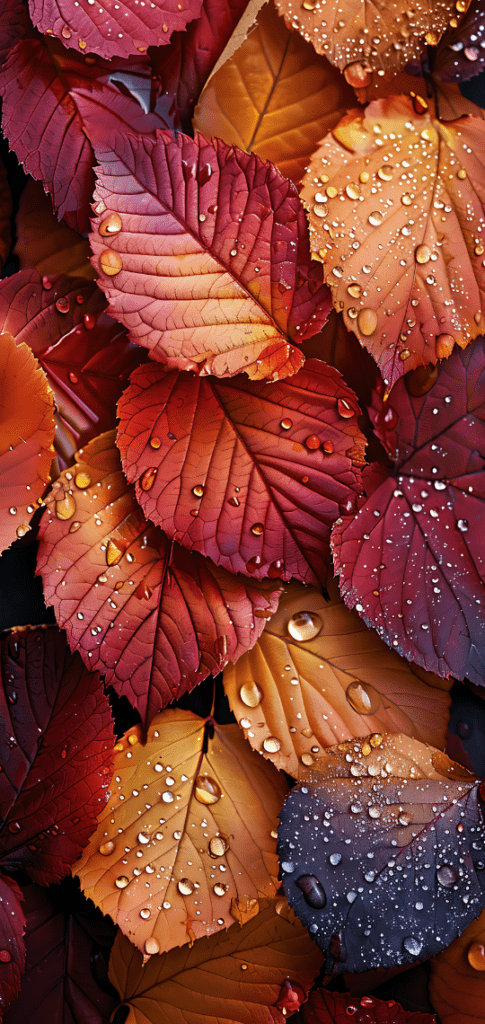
{"x": 397, "y": 219}
{"x": 186, "y": 844}
{"x": 318, "y": 676}
{"x": 457, "y": 983}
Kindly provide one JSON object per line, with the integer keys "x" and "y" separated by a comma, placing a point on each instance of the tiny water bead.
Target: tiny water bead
{"x": 207, "y": 790}
{"x": 106, "y": 848}
{"x": 304, "y": 626}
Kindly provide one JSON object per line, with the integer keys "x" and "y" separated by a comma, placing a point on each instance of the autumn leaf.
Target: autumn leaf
{"x": 55, "y": 752}
{"x": 324, "y": 1007}
{"x": 409, "y": 232}
{"x": 402, "y": 843}
{"x": 14, "y": 25}
{"x": 86, "y": 355}
{"x": 68, "y": 947}
{"x": 250, "y": 474}
{"x": 318, "y": 676}
{"x": 237, "y": 289}
{"x": 457, "y": 984}
{"x": 411, "y": 560}
{"x": 460, "y": 55}
{"x": 275, "y": 97}
{"x": 5, "y": 212}
{"x": 12, "y": 947}
{"x": 46, "y": 244}
{"x": 238, "y": 977}
{"x": 153, "y": 618}
{"x": 26, "y": 436}
{"x": 186, "y": 844}
{"x": 340, "y": 348}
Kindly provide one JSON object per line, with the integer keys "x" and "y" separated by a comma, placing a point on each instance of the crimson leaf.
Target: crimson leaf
{"x": 12, "y": 948}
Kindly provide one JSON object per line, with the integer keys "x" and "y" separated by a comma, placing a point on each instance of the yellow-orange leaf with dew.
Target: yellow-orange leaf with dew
{"x": 26, "y": 436}
{"x": 397, "y": 217}
{"x": 457, "y": 983}
{"x": 43, "y": 242}
{"x": 5, "y": 211}
{"x": 275, "y": 97}
{"x": 188, "y": 832}
{"x": 243, "y": 976}
{"x": 361, "y": 35}
{"x": 318, "y": 676}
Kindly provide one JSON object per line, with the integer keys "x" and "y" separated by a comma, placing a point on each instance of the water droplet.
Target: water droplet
{"x": 304, "y": 626}
{"x": 148, "y": 478}
{"x": 90, "y": 321}
{"x": 5, "y": 956}
{"x": 312, "y": 442}
{"x": 198, "y": 490}
{"x": 62, "y": 304}
{"x": 286, "y": 424}
{"x": 204, "y": 174}
{"x": 462, "y": 525}
{"x": 271, "y": 745}
{"x": 220, "y": 889}
{"x": 143, "y": 838}
{"x": 287, "y": 866}
{"x": 207, "y": 791}
{"x": 367, "y": 321}
{"x": 406, "y": 199}
{"x": 422, "y": 254}
{"x": 354, "y": 290}
{"x": 110, "y": 262}
{"x": 152, "y": 946}
{"x": 122, "y": 881}
{"x": 73, "y": 377}
{"x": 476, "y": 956}
{"x": 358, "y": 75}
{"x": 253, "y": 563}
{"x": 375, "y": 218}
{"x": 114, "y": 552}
{"x": 447, "y": 875}
{"x": 66, "y": 507}
{"x": 257, "y": 529}
{"x": 106, "y": 848}
{"x": 111, "y": 225}
{"x": 185, "y": 886}
{"x": 251, "y": 694}
{"x": 344, "y": 409}
{"x": 312, "y": 890}
{"x": 335, "y": 859}
{"x": 218, "y": 846}
{"x": 412, "y": 945}
{"x": 74, "y": 527}
{"x": 362, "y": 697}
{"x": 82, "y": 480}
{"x": 405, "y": 818}
{"x": 145, "y": 913}
{"x": 291, "y": 994}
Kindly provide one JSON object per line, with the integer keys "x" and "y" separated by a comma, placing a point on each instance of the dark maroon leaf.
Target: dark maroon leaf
{"x": 12, "y": 948}
{"x": 42, "y": 124}
{"x": 86, "y": 354}
{"x": 324, "y": 1007}
{"x": 412, "y": 561}
{"x": 461, "y": 52}
{"x": 55, "y": 752}
{"x": 14, "y": 25}
{"x": 66, "y": 976}
{"x": 383, "y": 852}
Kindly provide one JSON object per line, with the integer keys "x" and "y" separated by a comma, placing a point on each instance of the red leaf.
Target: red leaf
{"x": 412, "y": 560}
{"x": 120, "y": 31}
{"x": 241, "y": 235}
{"x": 86, "y": 355}
{"x": 42, "y": 123}
{"x": 68, "y": 950}
{"x": 324, "y": 1007}
{"x": 176, "y": 617}
{"x": 14, "y": 24}
{"x": 12, "y": 948}
{"x": 238, "y": 469}
{"x": 55, "y": 752}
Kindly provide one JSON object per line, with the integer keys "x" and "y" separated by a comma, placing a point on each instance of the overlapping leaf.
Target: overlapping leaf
{"x": 14, "y": 25}
{"x": 68, "y": 948}
{"x": 203, "y": 252}
{"x": 233, "y": 978}
{"x": 5, "y": 212}
{"x": 457, "y": 983}
{"x": 461, "y": 53}
{"x": 45, "y": 243}
{"x": 12, "y": 948}
{"x": 118, "y": 30}
{"x": 86, "y": 355}
{"x": 275, "y": 97}
{"x": 397, "y": 218}
{"x": 55, "y": 752}
{"x": 411, "y": 561}
{"x": 43, "y": 124}
{"x": 26, "y": 436}
{"x": 358, "y": 35}
{"x": 392, "y": 872}
{"x": 318, "y": 676}
{"x": 186, "y": 844}
{"x": 155, "y": 619}
{"x": 324, "y": 1007}
{"x": 250, "y": 474}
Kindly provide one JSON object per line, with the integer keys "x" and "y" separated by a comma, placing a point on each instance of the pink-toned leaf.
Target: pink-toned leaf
{"x": 117, "y": 30}
{"x": 412, "y": 561}
{"x": 43, "y": 125}
{"x": 12, "y": 948}
{"x": 55, "y": 751}
{"x": 248, "y": 473}
{"x": 86, "y": 355}
{"x": 154, "y": 618}
{"x": 401, "y": 242}
{"x": 208, "y": 263}
{"x": 324, "y": 1007}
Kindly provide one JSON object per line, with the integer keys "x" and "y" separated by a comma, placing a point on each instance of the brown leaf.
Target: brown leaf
{"x": 44, "y": 242}
{"x": 457, "y": 983}
{"x": 318, "y": 676}
{"x": 275, "y": 97}
{"x": 397, "y": 219}
{"x": 233, "y": 978}
{"x": 189, "y": 828}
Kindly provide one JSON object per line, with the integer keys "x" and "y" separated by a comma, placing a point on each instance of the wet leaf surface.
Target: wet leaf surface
{"x": 250, "y": 474}
{"x": 187, "y": 842}
{"x": 461, "y": 54}
{"x": 325, "y": 1007}
{"x": 411, "y": 560}
{"x": 12, "y": 951}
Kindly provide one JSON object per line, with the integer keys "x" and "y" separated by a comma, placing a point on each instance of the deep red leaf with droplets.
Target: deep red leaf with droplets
{"x": 55, "y": 752}
{"x": 412, "y": 561}
{"x": 12, "y": 948}
{"x": 68, "y": 945}
{"x": 43, "y": 125}
{"x": 324, "y": 1007}
{"x": 461, "y": 52}
{"x": 116, "y": 30}
{"x": 203, "y": 252}
{"x": 154, "y": 618}
{"x": 249, "y": 473}
{"x": 86, "y": 355}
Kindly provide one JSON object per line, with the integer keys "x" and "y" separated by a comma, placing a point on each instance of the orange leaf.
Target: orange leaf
{"x": 189, "y": 830}
{"x": 457, "y": 984}
{"x": 26, "y": 436}
{"x": 397, "y": 219}
{"x": 233, "y": 978}
{"x": 318, "y": 676}
{"x": 275, "y": 97}
{"x": 44, "y": 242}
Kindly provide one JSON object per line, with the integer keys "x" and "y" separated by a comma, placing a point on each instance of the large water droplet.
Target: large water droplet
{"x": 66, "y": 507}
{"x": 148, "y": 478}
{"x": 251, "y": 694}
{"x": 114, "y": 552}
{"x": 145, "y": 913}
{"x": 111, "y": 225}
{"x": 218, "y": 846}
{"x": 476, "y": 956}
{"x": 362, "y": 697}
{"x": 110, "y": 262}
{"x": 312, "y": 890}
{"x": 271, "y": 745}
{"x": 304, "y": 626}
{"x": 422, "y": 254}
{"x": 367, "y": 321}
{"x": 207, "y": 791}
{"x": 185, "y": 886}
{"x": 447, "y": 875}
{"x": 152, "y": 946}
{"x": 106, "y": 848}
{"x": 122, "y": 881}
{"x": 62, "y": 304}
{"x": 82, "y": 480}
{"x": 412, "y": 945}
{"x": 220, "y": 889}
{"x": 344, "y": 409}
{"x": 335, "y": 858}
{"x": 143, "y": 838}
